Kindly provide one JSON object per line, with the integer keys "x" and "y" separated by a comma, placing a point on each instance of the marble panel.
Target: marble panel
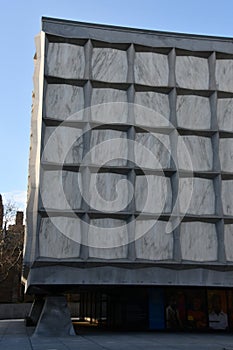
{"x": 151, "y": 69}
{"x": 228, "y": 241}
{"x": 109, "y": 65}
{"x": 65, "y": 61}
{"x": 63, "y": 145}
{"x": 224, "y": 113}
{"x": 153, "y": 242}
{"x": 224, "y": 75}
{"x": 152, "y": 150}
{"x": 193, "y": 112}
{"x": 64, "y": 102}
{"x": 227, "y": 197}
{"x": 196, "y": 196}
{"x": 151, "y": 109}
{"x": 107, "y": 239}
{"x": 192, "y": 72}
{"x": 195, "y": 153}
{"x": 226, "y": 154}
{"x": 107, "y": 106}
{"x": 59, "y": 237}
{"x": 60, "y": 189}
{"x": 153, "y": 194}
{"x": 198, "y": 241}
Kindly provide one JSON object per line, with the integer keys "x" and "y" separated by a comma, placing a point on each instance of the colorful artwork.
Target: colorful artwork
{"x": 196, "y": 310}
{"x": 217, "y": 307}
{"x": 175, "y": 310}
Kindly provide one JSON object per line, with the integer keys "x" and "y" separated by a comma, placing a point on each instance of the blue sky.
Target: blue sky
{"x": 20, "y": 22}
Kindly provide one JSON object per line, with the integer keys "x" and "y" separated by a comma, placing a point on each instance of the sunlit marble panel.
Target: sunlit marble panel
{"x": 224, "y": 114}
{"x": 227, "y": 197}
{"x": 228, "y": 241}
{"x": 192, "y": 72}
{"x": 152, "y": 241}
{"x": 195, "y": 153}
{"x": 193, "y": 112}
{"x": 151, "y": 69}
{"x": 153, "y": 194}
{"x": 224, "y": 75}
{"x": 109, "y": 65}
{"x": 65, "y": 61}
{"x": 226, "y": 154}
{"x": 198, "y": 241}
{"x": 59, "y": 237}
{"x": 64, "y": 102}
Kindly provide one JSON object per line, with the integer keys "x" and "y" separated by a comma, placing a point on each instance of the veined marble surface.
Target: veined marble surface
{"x": 198, "y": 241}
{"x": 151, "y": 69}
{"x": 192, "y": 72}
{"x": 228, "y": 241}
{"x": 151, "y": 109}
{"x": 227, "y": 197}
{"x": 153, "y": 194}
{"x": 62, "y": 145}
{"x": 193, "y": 112}
{"x": 104, "y": 149}
{"x": 224, "y": 113}
{"x": 109, "y": 65}
{"x": 152, "y": 150}
{"x": 197, "y": 156}
{"x": 107, "y": 239}
{"x": 224, "y": 75}
{"x": 226, "y": 154}
{"x": 108, "y": 192}
{"x": 59, "y": 237}
{"x": 65, "y": 61}
{"x": 64, "y": 101}
{"x": 196, "y": 196}
{"x": 153, "y": 242}
{"x": 60, "y": 189}
{"x": 107, "y": 106}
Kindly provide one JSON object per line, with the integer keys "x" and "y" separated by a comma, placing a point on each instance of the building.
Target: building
{"x": 131, "y": 178}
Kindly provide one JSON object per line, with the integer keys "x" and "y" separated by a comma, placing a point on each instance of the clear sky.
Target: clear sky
{"x": 20, "y": 22}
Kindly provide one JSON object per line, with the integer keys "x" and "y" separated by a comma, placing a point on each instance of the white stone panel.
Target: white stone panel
{"x": 193, "y": 112}
{"x": 151, "y": 69}
{"x": 107, "y": 239}
{"x": 109, "y": 65}
{"x": 64, "y": 102}
{"x": 152, "y": 150}
{"x": 153, "y": 242}
{"x": 62, "y": 145}
{"x": 151, "y": 109}
{"x": 198, "y": 241}
{"x": 60, "y": 190}
{"x": 227, "y": 197}
{"x": 109, "y": 106}
{"x": 196, "y": 196}
{"x": 59, "y": 237}
{"x": 224, "y": 113}
{"x": 153, "y": 194}
{"x": 228, "y": 241}
{"x": 65, "y": 61}
{"x": 192, "y": 72}
{"x": 226, "y": 154}
{"x": 224, "y": 75}
{"x": 195, "y": 153}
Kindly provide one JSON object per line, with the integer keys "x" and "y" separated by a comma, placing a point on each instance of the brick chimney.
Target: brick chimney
{"x": 19, "y": 218}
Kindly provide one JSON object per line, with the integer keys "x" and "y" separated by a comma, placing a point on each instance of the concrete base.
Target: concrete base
{"x": 55, "y": 318}
{"x": 35, "y": 312}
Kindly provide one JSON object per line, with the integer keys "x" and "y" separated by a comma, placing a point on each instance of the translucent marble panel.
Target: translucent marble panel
{"x": 62, "y": 145}
{"x": 154, "y": 243}
{"x": 151, "y": 109}
{"x": 65, "y": 61}
{"x": 196, "y": 196}
{"x": 151, "y": 69}
{"x": 192, "y": 72}
{"x": 227, "y": 197}
{"x": 198, "y": 241}
{"x": 59, "y": 237}
{"x": 226, "y": 154}
{"x": 107, "y": 239}
{"x": 224, "y": 113}
{"x": 224, "y": 75}
{"x": 153, "y": 194}
{"x": 228, "y": 241}
{"x": 109, "y": 65}
{"x": 197, "y": 156}
{"x": 64, "y": 101}
{"x": 193, "y": 112}
{"x": 108, "y": 192}
{"x": 108, "y": 107}
{"x": 152, "y": 150}
{"x": 107, "y": 146}
{"x": 60, "y": 189}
